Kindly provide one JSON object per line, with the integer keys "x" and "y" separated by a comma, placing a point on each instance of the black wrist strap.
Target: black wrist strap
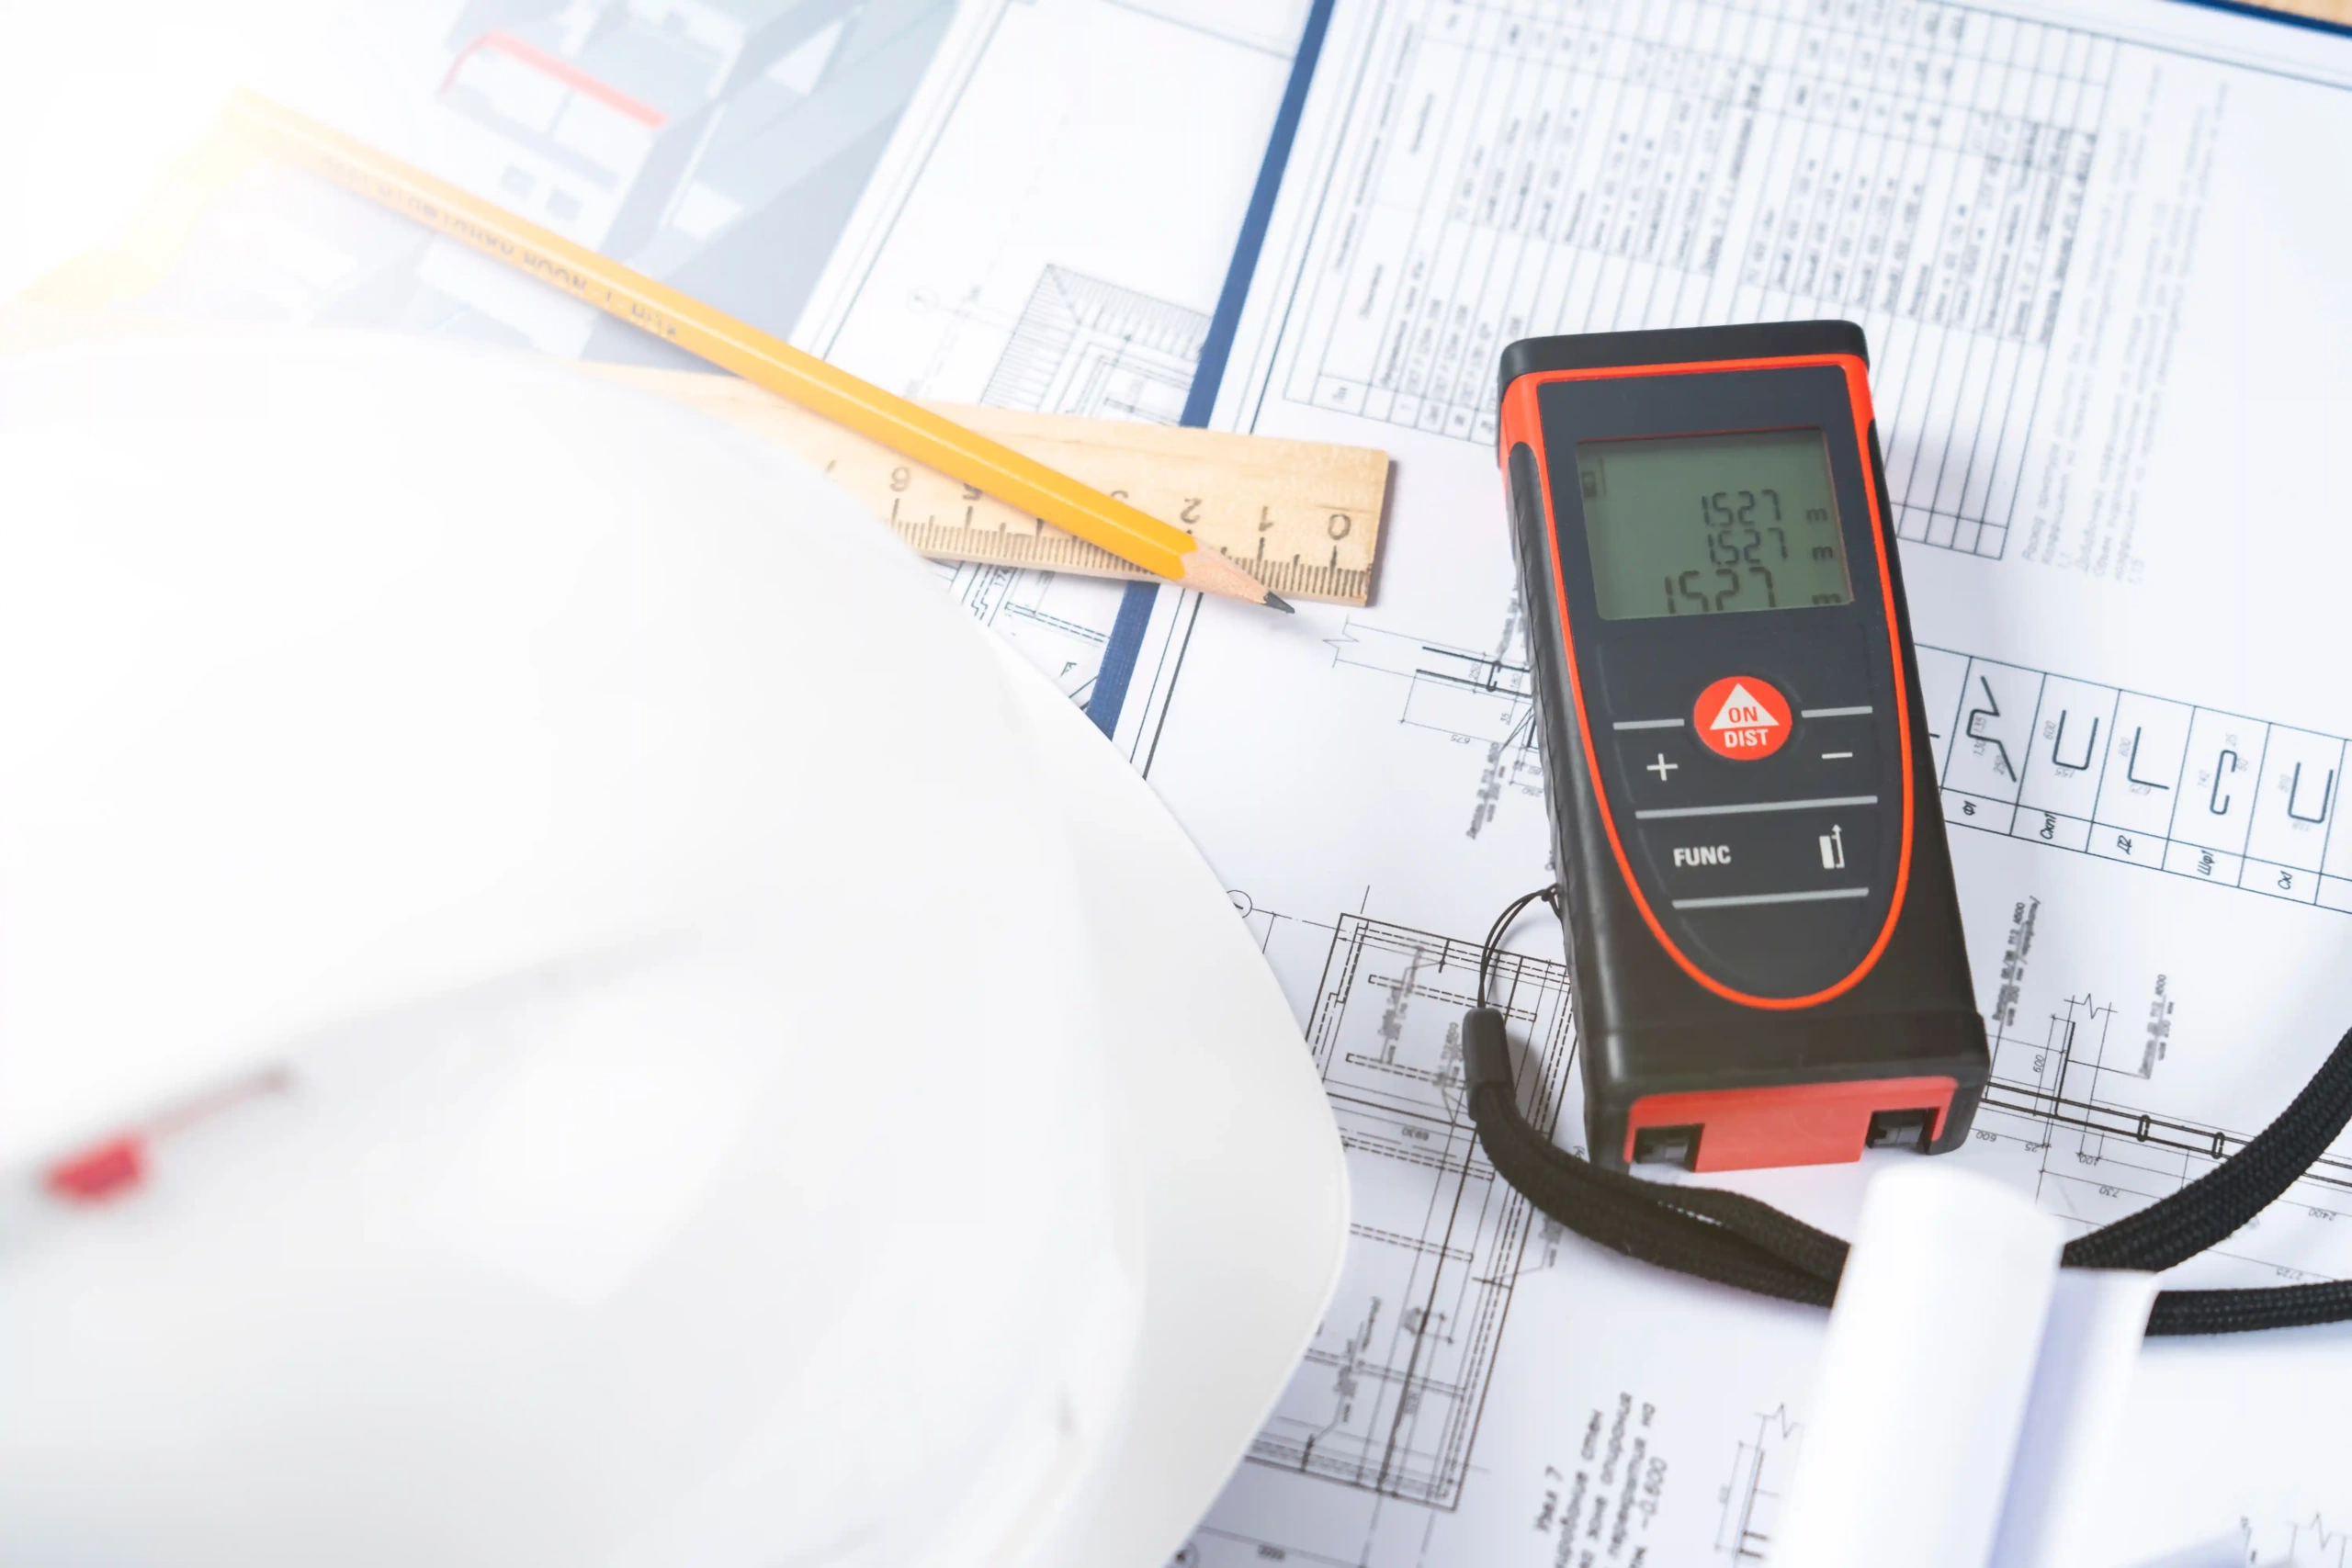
{"x": 1738, "y": 1240}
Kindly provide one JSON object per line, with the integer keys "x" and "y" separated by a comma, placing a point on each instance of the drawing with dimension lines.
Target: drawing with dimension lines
{"x": 1760, "y": 1472}
{"x": 1090, "y": 347}
{"x": 1488, "y": 699}
{"x": 1389, "y": 1397}
{"x": 2064, "y": 1117}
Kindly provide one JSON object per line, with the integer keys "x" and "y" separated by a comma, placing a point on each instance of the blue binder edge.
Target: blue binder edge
{"x": 1110, "y": 694}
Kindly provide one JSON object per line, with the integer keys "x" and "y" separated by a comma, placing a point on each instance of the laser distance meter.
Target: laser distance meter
{"x": 1757, "y": 895}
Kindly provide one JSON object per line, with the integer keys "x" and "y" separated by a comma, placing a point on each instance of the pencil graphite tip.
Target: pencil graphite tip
{"x": 1276, "y": 602}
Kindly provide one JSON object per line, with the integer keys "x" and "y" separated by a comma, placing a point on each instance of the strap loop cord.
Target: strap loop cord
{"x": 1737, "y": 1240}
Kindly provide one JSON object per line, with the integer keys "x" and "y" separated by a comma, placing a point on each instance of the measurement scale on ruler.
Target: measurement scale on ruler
{"x": 1300, "y": 516}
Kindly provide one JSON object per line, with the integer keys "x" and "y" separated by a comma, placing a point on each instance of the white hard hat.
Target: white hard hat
{"x": 560, "y": 1003}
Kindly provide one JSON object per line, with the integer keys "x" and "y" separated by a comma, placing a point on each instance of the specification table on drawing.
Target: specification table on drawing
{"x": 2114, "y": 772}
{"x": 1513, "y": 169}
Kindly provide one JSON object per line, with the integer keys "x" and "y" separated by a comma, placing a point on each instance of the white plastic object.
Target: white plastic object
{"x": 1924, "y": 1377}
{"x": 2082, "y": 1379}
{"x": 723, "y": 1097}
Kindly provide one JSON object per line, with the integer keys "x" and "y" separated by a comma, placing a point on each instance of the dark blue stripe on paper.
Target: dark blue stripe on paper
{"x": 1135, "y": 609}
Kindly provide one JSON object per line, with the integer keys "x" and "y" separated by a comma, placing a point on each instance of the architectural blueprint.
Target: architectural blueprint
{"x": 2087, "y": 240}
{"x": 1050, "y": 230}
{"x": 2077, "y": 236}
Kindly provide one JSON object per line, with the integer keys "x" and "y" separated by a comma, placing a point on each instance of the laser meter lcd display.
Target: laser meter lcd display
{"x": 1702, "y": 524}
{"x": 1768, "y": 964}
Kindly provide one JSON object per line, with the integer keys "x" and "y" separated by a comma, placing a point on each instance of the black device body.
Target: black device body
{"x": 1769, "y": 965}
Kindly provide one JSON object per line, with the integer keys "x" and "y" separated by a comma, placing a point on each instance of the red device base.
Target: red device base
{"x": 1814, "y": 1124}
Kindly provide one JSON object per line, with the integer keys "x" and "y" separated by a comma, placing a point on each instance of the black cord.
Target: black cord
{"x": 1550, "y": 896}
{"x": 1738, "y": 1240}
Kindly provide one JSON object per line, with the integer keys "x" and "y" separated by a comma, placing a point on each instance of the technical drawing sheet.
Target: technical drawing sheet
{"x": 2087, "y": 242}
{"x": 1049, "y": 229}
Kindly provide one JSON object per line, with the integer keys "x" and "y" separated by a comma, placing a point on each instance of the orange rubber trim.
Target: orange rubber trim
{"x": 1784, "y": 1125}
{"x": 1521, "y": 422}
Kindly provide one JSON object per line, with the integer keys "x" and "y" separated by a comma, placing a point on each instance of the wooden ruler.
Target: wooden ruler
{"x": 1301, "y": 517}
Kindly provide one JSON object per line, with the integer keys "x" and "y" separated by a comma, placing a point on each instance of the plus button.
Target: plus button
{"x": 1661, "y": 767}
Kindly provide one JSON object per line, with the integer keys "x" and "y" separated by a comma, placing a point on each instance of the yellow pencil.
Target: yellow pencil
{"x": 905, "y": 427}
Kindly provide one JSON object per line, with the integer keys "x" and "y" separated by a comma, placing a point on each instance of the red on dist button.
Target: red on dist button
{"x": 1742, "y": 718}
